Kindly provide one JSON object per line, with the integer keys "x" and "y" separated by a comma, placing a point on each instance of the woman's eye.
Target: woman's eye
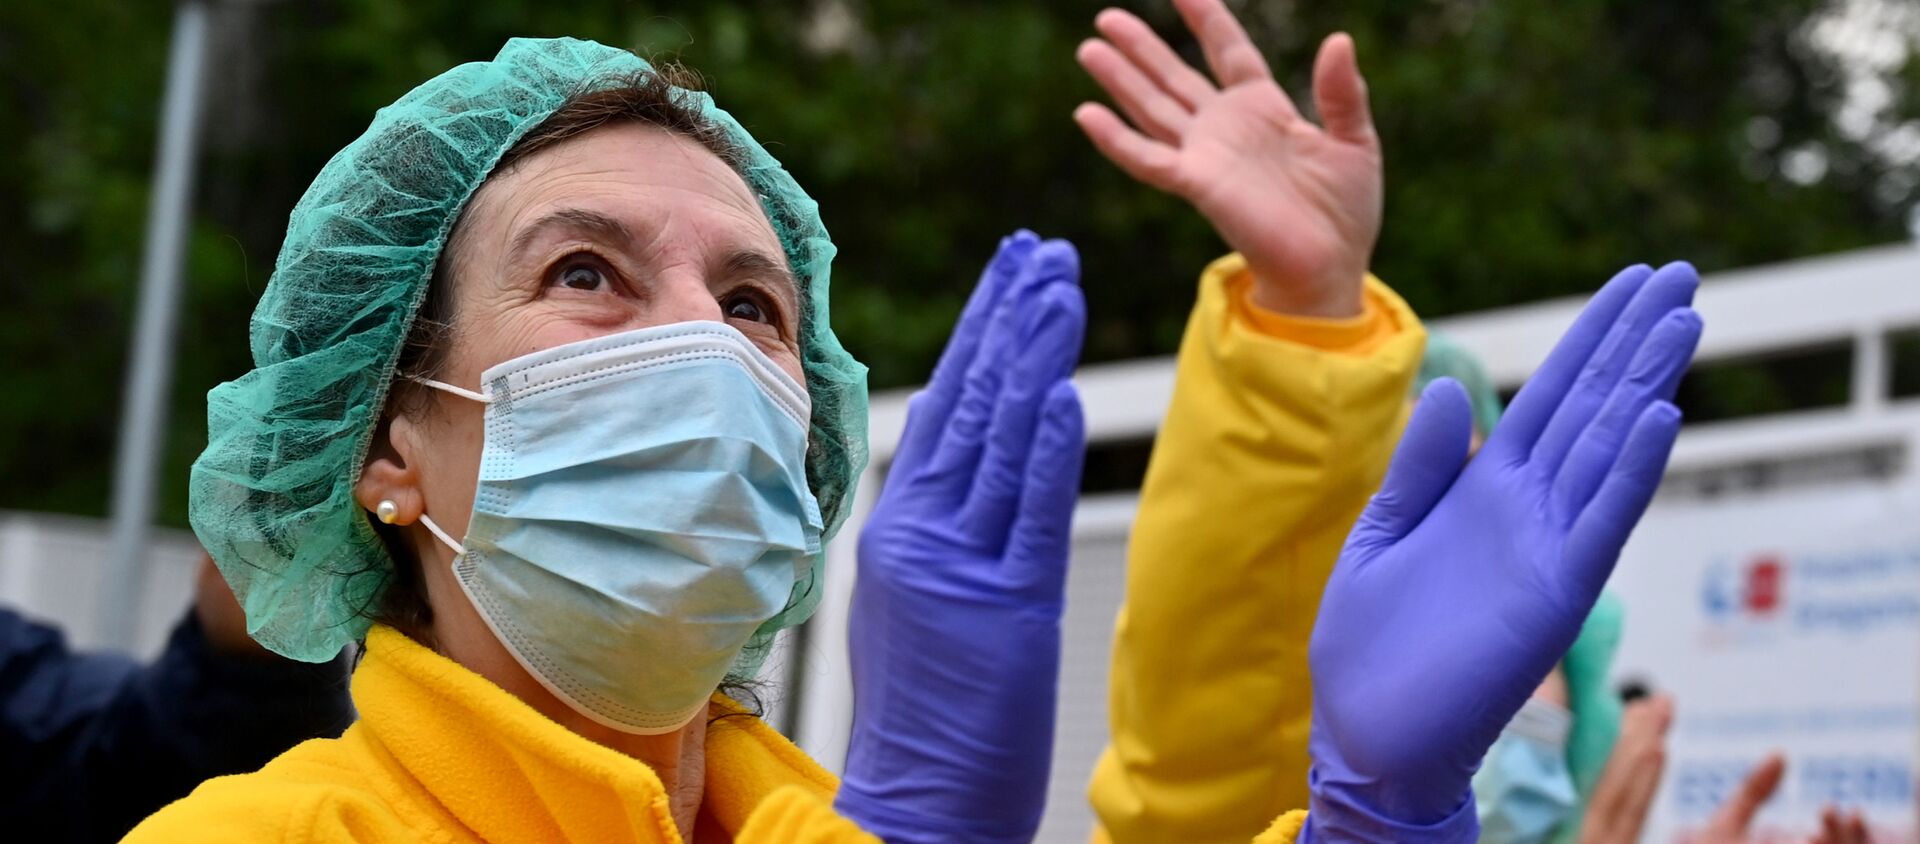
{"x": 585, "y": 277}
{"x": 747, "y": 308}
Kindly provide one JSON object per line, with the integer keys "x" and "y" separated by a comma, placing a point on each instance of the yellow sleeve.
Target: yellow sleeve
{"x": 1279, "y": 430}
{"x": 792, "y": 816}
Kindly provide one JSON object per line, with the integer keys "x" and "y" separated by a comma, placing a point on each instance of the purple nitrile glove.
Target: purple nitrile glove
{"x": 955, "y": 623}
{"x": 1464, "y": 582}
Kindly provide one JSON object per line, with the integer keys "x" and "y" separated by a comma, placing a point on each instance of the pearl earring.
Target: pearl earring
{"x": 386, "y": 511}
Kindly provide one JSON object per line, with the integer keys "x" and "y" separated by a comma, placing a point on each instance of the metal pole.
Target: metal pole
{"x": 143, "y": 415}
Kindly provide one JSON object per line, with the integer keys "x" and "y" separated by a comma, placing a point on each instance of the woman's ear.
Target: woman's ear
{"x": 392, "y": 474}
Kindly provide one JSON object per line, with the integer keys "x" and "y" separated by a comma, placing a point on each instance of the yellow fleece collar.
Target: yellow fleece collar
{"x": 508, "y": 773}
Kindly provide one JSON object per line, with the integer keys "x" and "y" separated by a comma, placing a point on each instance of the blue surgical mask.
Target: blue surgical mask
{"x": 1523, "y": 788}
{"x": 642, "y": 508}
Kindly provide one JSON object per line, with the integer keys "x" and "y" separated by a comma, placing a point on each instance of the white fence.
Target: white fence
{"x": 1857, "y": 298}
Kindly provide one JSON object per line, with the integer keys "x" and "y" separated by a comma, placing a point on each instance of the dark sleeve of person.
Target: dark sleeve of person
{"x": 92, "y": 743}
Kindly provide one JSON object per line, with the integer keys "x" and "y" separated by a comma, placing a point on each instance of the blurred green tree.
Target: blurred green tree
{"x": 1532, "y": 149}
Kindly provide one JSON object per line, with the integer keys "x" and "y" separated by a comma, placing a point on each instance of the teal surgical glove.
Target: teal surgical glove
{"x": 955, "y": 625}
{"x": 1463, "y": 583}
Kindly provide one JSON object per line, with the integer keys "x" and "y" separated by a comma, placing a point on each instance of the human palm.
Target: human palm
{"x": 1301, "y": 202}
{"x": 1459, "y": 588}
{"x": 962, "y": 569}
{"x": 1515, "y": 563}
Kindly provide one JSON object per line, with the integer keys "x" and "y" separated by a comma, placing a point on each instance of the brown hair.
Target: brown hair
{"x": 659, "y": 98}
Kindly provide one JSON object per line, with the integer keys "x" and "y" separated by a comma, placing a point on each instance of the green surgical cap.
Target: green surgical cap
{"x": 1595, "y": 705}
{"x": 1447, "y": 359}
{"x": 272, "y": 496}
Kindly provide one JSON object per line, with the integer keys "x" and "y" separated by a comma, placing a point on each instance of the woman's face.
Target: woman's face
{"x": 623, "y": 227}
{"x": 626, "y": 226}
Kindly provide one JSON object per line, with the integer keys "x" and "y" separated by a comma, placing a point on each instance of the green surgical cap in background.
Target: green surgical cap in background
{"x": 272, "y": 495}
{"x": 1447, "y": 359}
{"x": 1595, "y": 703}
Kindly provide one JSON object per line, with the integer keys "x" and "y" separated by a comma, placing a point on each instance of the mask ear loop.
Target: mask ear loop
{"x": 463, "y": 393}
{"x": 441, "y": 534}
{"x": 449, "y": 388}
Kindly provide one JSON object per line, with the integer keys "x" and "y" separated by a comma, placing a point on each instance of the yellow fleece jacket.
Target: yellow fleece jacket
{"x": 1279, "y": 431}
{"x": 442, "y": 755}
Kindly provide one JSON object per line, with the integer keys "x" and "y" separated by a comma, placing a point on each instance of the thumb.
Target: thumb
{"x": 1429, "y": 458}
{"x": 1339, "y": 92}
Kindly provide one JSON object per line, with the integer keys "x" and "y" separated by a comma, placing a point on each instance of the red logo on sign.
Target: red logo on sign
{"x": 1763, "y": 585}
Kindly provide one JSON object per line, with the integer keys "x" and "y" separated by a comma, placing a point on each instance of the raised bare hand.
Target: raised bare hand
{"x": 1624, "y": 793}
{"x": 1301, "y": 202}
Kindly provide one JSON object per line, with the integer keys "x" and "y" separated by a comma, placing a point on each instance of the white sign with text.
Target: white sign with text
{"x": 1788, "y": 621}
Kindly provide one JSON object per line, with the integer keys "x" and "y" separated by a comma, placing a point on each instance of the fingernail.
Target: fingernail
{"x": 1682, "y": 319}
{"x": 1014, "y": 252}
{"x": 1680, "y": 268}
{"x": 1059, "y": 261}
{"x": 1056, "y": 307}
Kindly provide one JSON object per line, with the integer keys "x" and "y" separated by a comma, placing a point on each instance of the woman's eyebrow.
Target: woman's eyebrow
{"x": 593, "y": 224}
{"x": 748, "y": 263}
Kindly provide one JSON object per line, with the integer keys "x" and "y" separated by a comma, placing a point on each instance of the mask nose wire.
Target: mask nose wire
{"x": 465, "y": 394}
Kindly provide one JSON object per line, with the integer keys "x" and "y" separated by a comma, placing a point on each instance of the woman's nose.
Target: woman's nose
{"x": 679, "y": 297}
